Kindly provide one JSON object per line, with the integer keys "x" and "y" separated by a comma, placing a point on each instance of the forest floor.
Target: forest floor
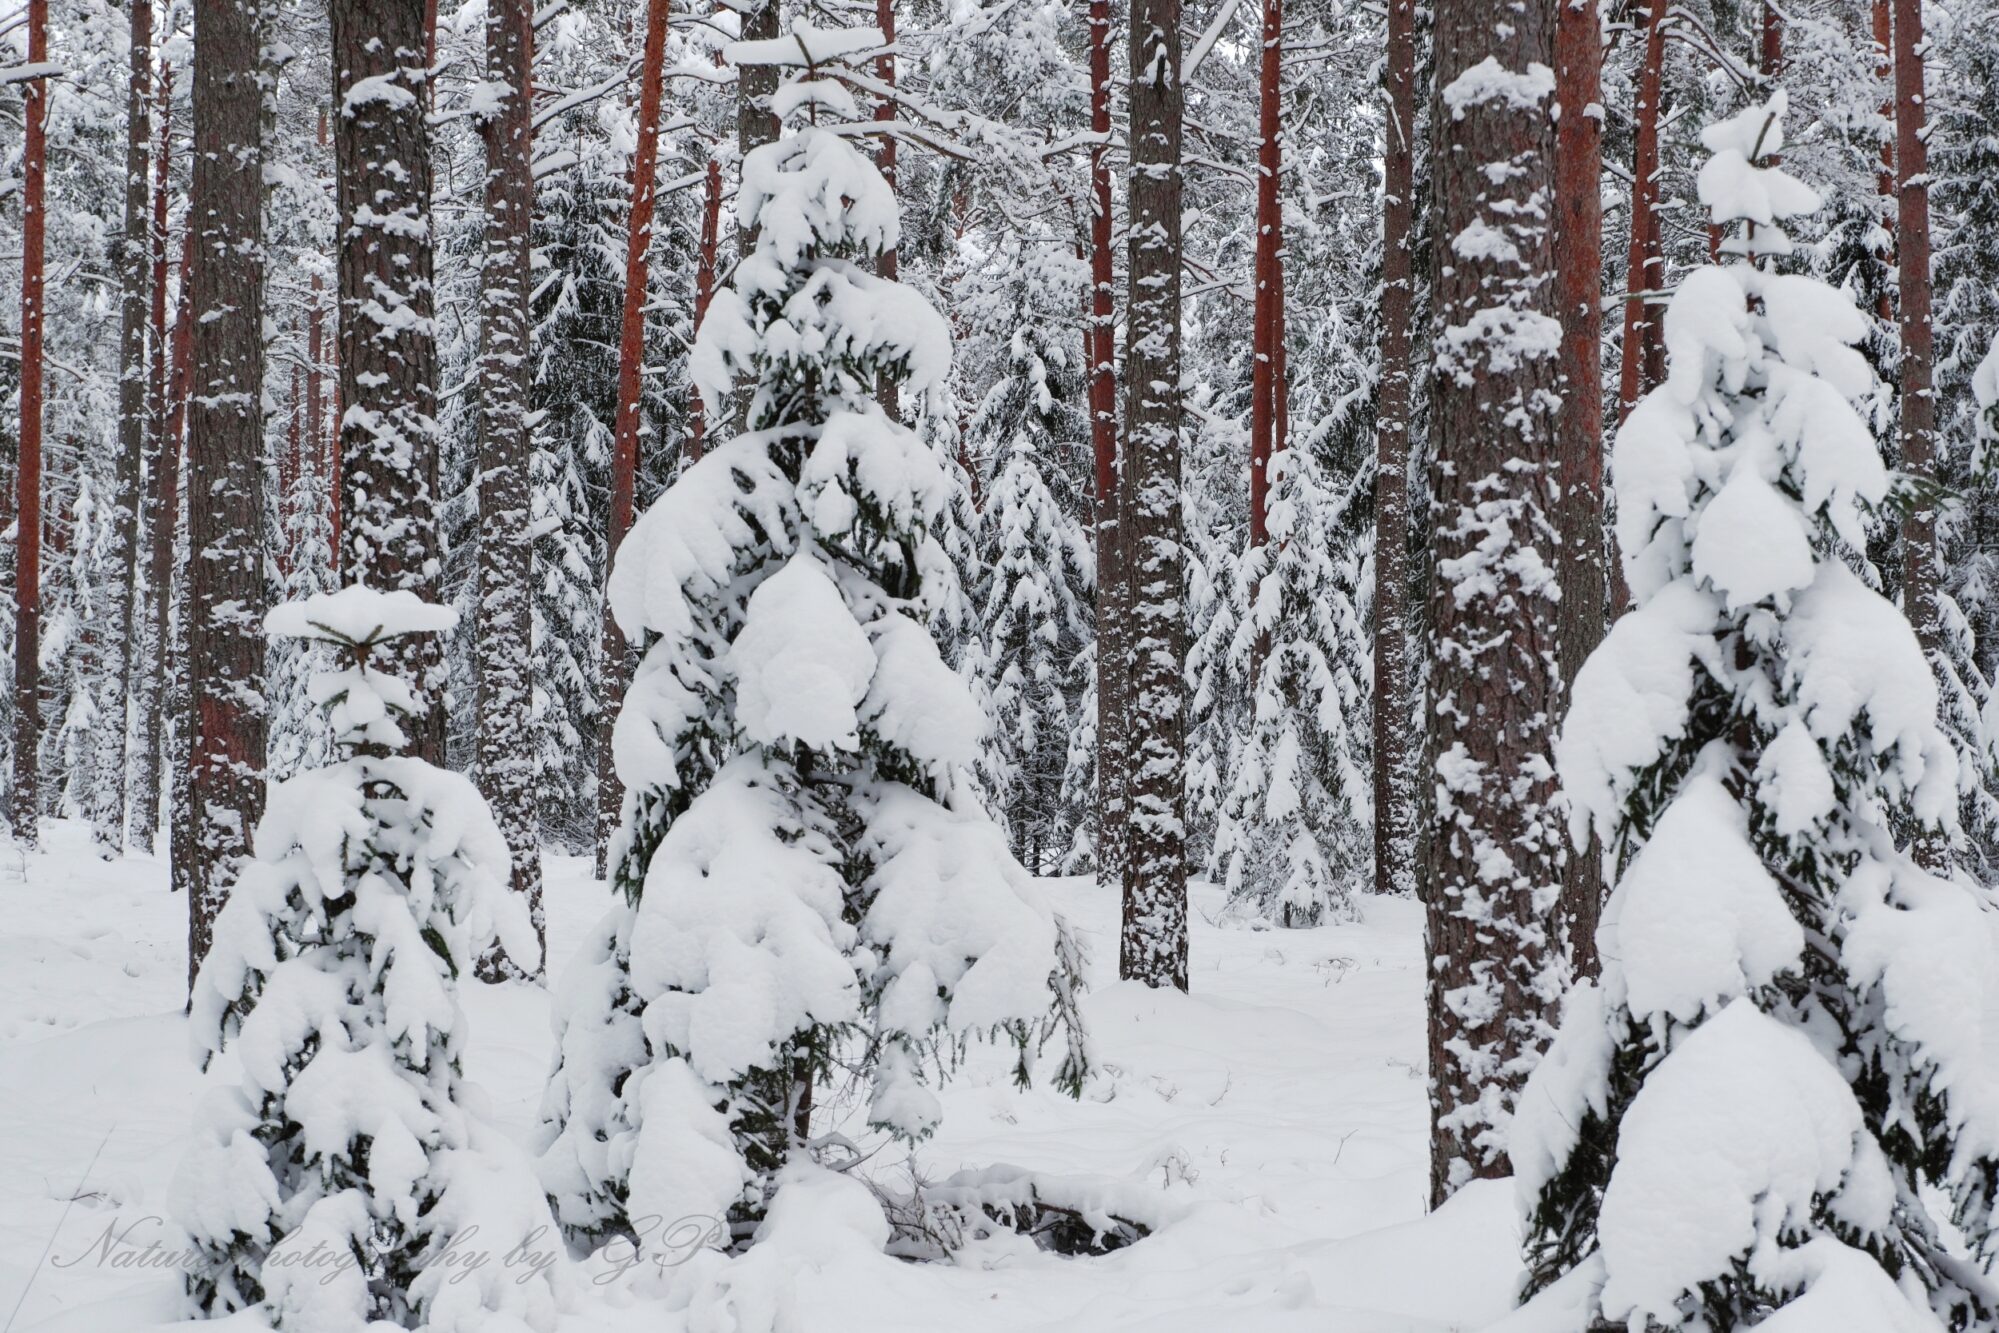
{"x": 1277, "y": 1111}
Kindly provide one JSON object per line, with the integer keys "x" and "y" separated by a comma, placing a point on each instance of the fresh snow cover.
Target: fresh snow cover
{"x": 1270, "y": 1126}
{"x": 803, "y": 45}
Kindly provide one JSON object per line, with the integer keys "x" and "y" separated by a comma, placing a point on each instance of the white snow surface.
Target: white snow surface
{"x": 1274, "y": 1120}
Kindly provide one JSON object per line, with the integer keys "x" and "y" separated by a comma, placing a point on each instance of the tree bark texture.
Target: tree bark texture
{"x": 506, "y": 747}
{"x": 1578, "y": 276}
{"x": 225, "y": 454}
{"x": 1113, "y": 663}
{"x": 163, "y": 471}
{"x": 388, "y": 333}
{"x": 1644, "y": 266}
{"x": 1268, "y": 317}
{"x": 1493, "y": 876}
{"x": 1153, "y": 941}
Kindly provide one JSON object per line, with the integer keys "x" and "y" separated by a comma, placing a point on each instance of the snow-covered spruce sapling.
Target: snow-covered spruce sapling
{"x": 1781, "y": 1096}
{"x": 333, "y": 983}
{"x": 807, "y": 892}
{"x": 1292, "y": 841}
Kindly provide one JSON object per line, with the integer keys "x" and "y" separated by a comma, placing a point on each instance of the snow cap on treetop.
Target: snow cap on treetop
{"x": 1735, "y": 189}
{"x": 358, "y": 614}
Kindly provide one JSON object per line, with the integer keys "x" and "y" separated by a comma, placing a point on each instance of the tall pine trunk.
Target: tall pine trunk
{"x": 164, "y": 472}
{"x": 179, "y": 749}
{"x": 506, "y": 758}
{"x": 109, "y": 791}
{"x": 1643, "y": 267}
{"x": 225, "y": 453}
{"x": 24, "y": 806}
{"x": 388, "y": 336}
{"x": 1153, "y": 941}
{"x": 708, "y": 252}
{"x": 1493, "y": 866}
{"x": 1918, "y": 400}
{"x": 887, "y": 387}
{"x": 1113, "y": 664}
{"x": 1268, "y": 315}
{"x": 631, "y": 388}
{"x": 1579, "y": 278}
{"x": 1394, "y": 712}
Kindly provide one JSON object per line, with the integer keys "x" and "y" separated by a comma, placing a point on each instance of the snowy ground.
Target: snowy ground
{"x": 1278, "y": 1111}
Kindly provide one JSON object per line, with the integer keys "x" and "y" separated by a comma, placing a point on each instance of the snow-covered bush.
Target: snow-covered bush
{"x": 378, "y": 880}
{"x": 806, "y": 891}
{"x": 1786, "y": 1070}
{"x": 1294, "y": 838}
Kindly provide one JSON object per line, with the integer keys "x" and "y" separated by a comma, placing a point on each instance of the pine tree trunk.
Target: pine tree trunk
{"x": 756, "y": 124}
{"x": 704, "y": 288}
{"x": 109, "y": 791}
{"x": 225, "y": 453}
{"x": 1918, "y": 400}
{"x": 887, "y": 387}
{"x": 1579, "y": 276}
{"x": 1268, "y": 318}
{"x": 1113, "y": 663}
{"x": 1153, "y": 943}
{"x": 24, "y": 808}
{"x": 506, "y": 748}
{"x": 1493, "y": 854}
{"x": 179, "y": 749}
{"x": 1394, "y": 713}
{"x": 388, "y": 336}
{"x": 625, "y": 449}
{"x": 1884, "y": 176}
{"x": 1642, "y": 270}
{"x": 164, "y": 473}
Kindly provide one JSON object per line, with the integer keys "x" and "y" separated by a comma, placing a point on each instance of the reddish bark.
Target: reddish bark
{"x": 1884, "y": 178}
{"x": 887, "y": 389}
{"x": 1579, "y": 427}
{"x": 1267, "y": 321}
{"x": 1100, "y": 350}
{"x": 704, "y": 285}
{"x": 625, "y": 448}
{"x": 1394, "y": 752}
{"x": 1643, "y": 258}
{"x": 1918, "y": 402}
{"x": 24, "y": 810}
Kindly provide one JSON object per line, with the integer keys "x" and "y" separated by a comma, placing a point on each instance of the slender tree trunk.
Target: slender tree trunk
{"x": 225, "y": 458}
{"x": 109, "y": 791}
{"x": 625, "y": 449}
{"x": 164, "y": 473}
{"x": 1642, "y": 270}
{"x": 25, "y": 807}
{"x": 1884, "y": 176}
{"x": 756, "y": 123}
{"x": 388, "y": 336}
{"x": 1153, "y": 943}
{"x": 1265, "y": 390}
{"x": 887, "y": 388}
{"x": 1579, "y": 278}
{"x": 506, "y": 381}
{"x": 1394, "y": 712}
{"x": 704, "y": 286}
{"x": 180, "y": 705}
{"x": 1112, "y": 594}
{"x": 1918, "y": 400}
{"x": 1770, "y": 59}
{"x": 1494, "y": 847}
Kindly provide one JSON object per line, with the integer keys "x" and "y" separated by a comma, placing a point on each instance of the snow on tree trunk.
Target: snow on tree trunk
{"x": 388, "y": 336}
{"x": 506, "y": 757}
{"x": 615, "y": 665}
{"x": 379, "y": 880}
{"x": 119, "y": 678}
{"x": 24, "y": 798}
{"x": 1394, "y": 685}
{"x": 1152, "y": 945}
{"x": 163, "y": 470}
{"x": 1493, "y": 870}
{"x": 804, "y": 889}
{"x": 225, "y": 452}
{"x": 1112, "y": 662}
{"x": 1918, "y": 432}
{"x": 1774, "y": 1098}
{"x": 1268, "y": 318}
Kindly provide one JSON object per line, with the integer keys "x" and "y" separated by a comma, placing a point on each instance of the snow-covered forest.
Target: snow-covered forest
{"x": 792, "y": 666}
